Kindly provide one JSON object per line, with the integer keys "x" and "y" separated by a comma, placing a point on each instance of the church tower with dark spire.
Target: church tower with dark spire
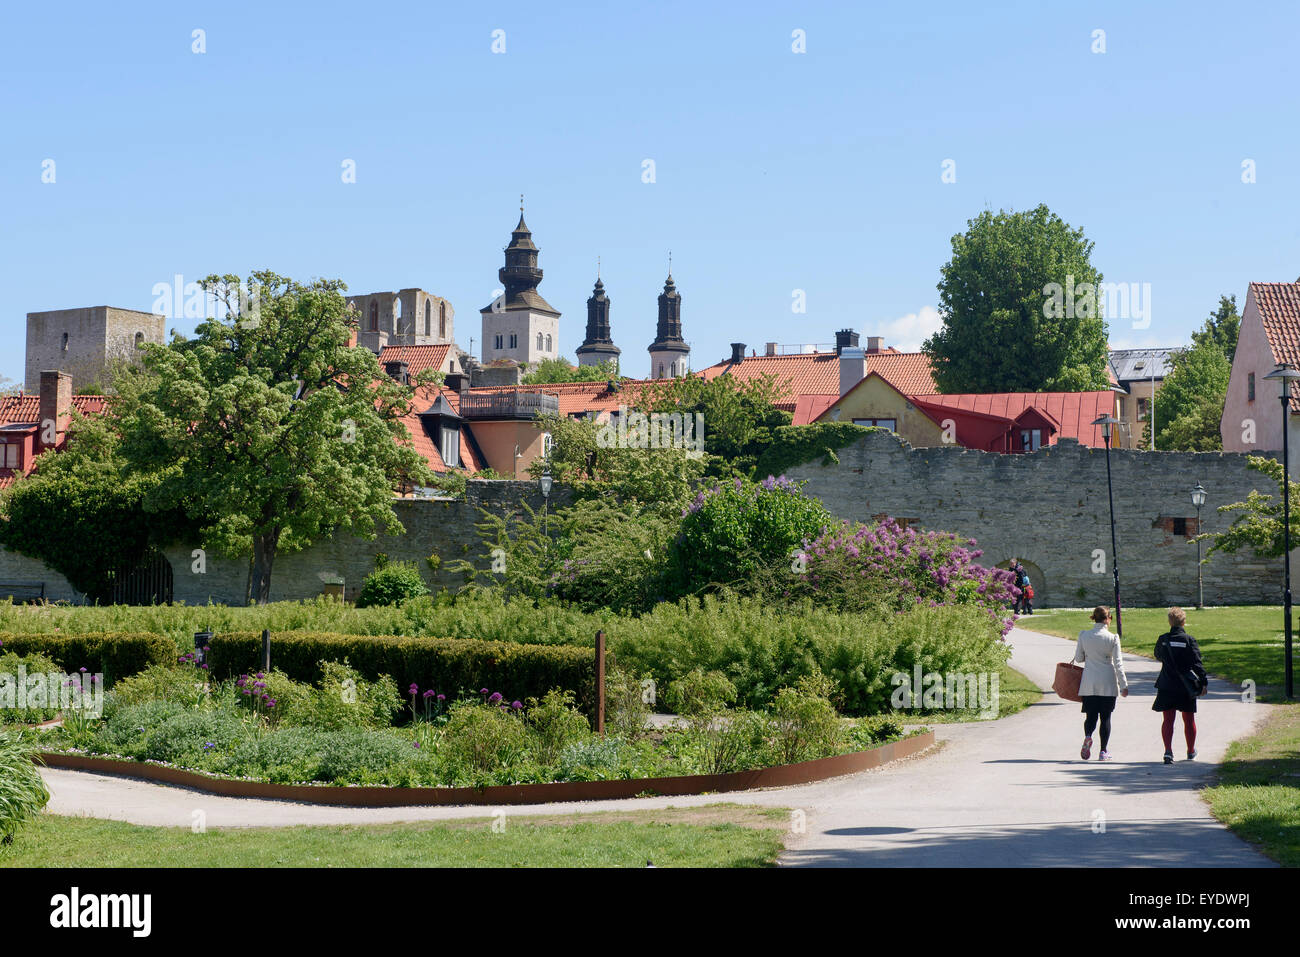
{"x": 520, "y": 324}
{"x": 599, "y": 346}
{"x": 668, "y": 353}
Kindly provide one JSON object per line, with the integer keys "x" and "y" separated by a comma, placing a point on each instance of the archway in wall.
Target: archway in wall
{"x": 1042, "y": 598}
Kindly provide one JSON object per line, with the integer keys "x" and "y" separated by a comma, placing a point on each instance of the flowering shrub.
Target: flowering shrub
{"x": 858, "y": 567}
{"x": 733, "y": 532}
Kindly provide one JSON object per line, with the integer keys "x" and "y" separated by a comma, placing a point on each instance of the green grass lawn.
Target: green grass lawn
{"x": 1258, "y": 792}
{"x": 715, "y": 836}
{"x": 1015, "y": 693}
{"x": 1242, "y": 642}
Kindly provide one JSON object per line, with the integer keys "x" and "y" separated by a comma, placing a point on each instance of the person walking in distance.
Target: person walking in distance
{"x": 1181, "y": 681}
{"x": 1102, "y": 681}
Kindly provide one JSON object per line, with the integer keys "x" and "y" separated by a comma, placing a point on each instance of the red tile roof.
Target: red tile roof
{"x": 1279, "y": 310}
{"x": 818, "y": 373}
{"x": 423, "y": 442}
{"x": 417, "y": 358}
{"x": 1073, "y": 411}
{"x": 25, "y": 407}
{"x": 808, "y": 408}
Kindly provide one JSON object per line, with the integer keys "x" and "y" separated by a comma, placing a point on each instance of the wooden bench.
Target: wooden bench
{"x": 23, "y": 591}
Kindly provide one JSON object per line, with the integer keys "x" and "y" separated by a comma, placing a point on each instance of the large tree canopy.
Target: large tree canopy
{"x": 267, "y": 428}
{"x": 1221, "y": 328}
{"x": 1021, "y": 305}
{"x": 1189, "y": 403}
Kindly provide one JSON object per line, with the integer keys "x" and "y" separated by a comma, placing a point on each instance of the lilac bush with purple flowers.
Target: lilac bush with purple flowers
{"x": 854, "y": 567}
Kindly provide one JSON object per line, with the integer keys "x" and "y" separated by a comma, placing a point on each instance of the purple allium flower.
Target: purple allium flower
{"x": 442, "y": 697}
{"x": 495, "y": 698}
{"x": 516, "y": 705}
{"x": 482, "y": 691}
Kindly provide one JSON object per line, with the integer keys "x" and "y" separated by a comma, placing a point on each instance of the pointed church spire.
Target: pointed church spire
{"x": 599, "y": 345}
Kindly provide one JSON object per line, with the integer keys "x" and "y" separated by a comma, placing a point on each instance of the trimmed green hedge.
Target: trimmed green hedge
{"x": 114, "y": 654}
{"x": 448, "y": 665}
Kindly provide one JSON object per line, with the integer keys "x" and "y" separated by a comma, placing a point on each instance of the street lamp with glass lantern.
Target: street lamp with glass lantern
{"x": 1107, "y": 422}
{"x": 1286, "y": 375}
{"x": 1198, "y": 499}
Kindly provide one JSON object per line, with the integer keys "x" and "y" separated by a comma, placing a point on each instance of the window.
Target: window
{"x": 498, "y": 343}
{"x": 661, "y": 370}
{"x": 514, "y": 341}
{"x": 428, "y": 318}
{"x": 10, "y": 456}
{"x": 891, "y": 424}
{"x": 374, "y": 317}
{"x": 1179, "y": 527}
{"x": 139, "y": 340}
{"x": 442, "y": 320}
{"x": 1250, "y": 387}
{"x": 65, "y": 342}
{"x": 548, "y": 343}
{"x": 1031, "y": 440}
{"x": 450, "y": 449}
{"x": 1143, "y": 405}
{"x": 539, "y": 342}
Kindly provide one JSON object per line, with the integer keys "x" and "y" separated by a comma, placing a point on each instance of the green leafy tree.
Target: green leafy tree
{"x": 1220, "y": 330}
{"x": 662, "y": 479}
{"x": 267, "y": 428}
{"x": 549, "y": 371}
{"x": 1189, "y": 403}
{"x": 740, "y": 416}
{"x": 82, "y": 510}
{"x": 1259, "y": 525}
{"x": 1022, "y": 309}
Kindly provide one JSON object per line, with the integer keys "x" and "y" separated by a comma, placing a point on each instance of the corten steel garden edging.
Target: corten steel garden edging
{"x": 782, "y": 775}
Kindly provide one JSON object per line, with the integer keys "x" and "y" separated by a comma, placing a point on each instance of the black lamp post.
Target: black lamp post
{"x": 1106, "y": 422}
{"x": 1198, "y": 499}
{"x": 1286, "y": 375}
{"x": 545, "y": 484}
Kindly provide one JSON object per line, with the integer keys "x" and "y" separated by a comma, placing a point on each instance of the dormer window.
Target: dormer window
{"x": 9, "y": 455}
{"x": 442, "y": 425}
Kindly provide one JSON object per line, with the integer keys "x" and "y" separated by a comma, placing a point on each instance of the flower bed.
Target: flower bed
{"x": 803, "y": 772}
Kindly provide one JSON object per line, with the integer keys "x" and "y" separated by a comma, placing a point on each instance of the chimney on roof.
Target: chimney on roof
{"x": 844, "y": 339}
{"x": 853, "y": 367}
{"x": 399, "y": 371}
{"x": 875, "y": 344}
{"x": 55, "y": 406}
{"x": 770, "y": 350}
{"x": 737, "y": 351}
{"x": 456, "y": 381}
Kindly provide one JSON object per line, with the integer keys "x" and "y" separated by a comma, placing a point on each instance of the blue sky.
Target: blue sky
{"x": 774, "y": 171}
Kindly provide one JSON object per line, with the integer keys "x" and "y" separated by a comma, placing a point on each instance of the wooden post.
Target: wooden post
{"x": 266, "y": 649}
{"x": 600, "y": 683}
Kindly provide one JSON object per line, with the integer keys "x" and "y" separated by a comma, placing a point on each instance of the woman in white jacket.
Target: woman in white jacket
{"x": 1103, "y": 679}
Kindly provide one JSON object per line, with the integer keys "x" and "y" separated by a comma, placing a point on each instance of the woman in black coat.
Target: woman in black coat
{"x": 1181, "y": 681}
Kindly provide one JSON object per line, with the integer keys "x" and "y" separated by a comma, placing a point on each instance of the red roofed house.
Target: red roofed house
{"x": 818, "y": 373}
{"x": 31, "y": 424}
{"x": 1269, "y": 336}
{"x": 998, "y": 422}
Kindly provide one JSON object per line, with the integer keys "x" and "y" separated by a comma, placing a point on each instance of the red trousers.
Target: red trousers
{"x": 1189, "y": 729}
